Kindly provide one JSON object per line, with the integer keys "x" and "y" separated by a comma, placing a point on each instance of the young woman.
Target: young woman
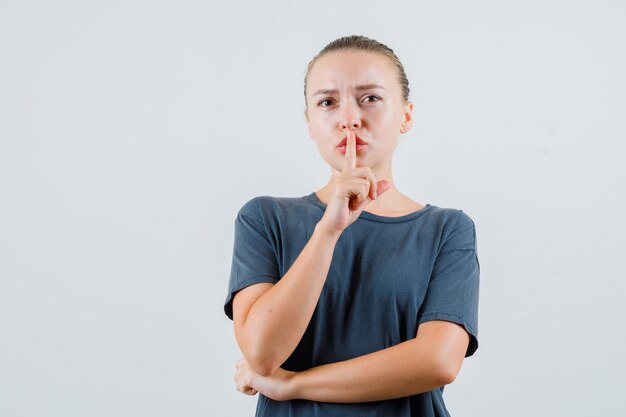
{"x": 353, "y": 300}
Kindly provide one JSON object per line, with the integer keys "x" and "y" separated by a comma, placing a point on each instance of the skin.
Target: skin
{"x": 359, "y": 180}
{"x": 378, "y": 116}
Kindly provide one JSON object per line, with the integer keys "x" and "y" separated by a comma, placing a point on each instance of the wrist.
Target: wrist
{"x": 294, "y": 386}
{"x": 327, "y": 232}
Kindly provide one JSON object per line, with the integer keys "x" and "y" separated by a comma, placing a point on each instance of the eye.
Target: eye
{"x": 323, "y": 101}
{"x": 374, "y": 97}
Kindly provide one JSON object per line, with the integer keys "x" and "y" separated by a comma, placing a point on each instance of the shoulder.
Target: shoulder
{"x": 449, "y": 218}
{"x": 264, "y": 207}
{"x": 454, "y": 226}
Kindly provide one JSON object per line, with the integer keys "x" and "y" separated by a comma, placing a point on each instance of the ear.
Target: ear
{"x": 407, "y": 119}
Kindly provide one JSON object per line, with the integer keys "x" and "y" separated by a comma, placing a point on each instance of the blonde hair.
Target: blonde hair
{"x": 361, "y": 43}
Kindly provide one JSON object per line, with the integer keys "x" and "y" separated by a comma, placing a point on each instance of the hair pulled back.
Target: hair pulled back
{"x": 362, "y": 43}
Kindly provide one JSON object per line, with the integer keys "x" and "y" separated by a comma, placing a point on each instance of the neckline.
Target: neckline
{"x": 375, "y": 217}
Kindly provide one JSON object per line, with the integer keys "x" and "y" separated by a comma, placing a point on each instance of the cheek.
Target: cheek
{"x": 387, "y": 116}
{"x": 388, "y": 122}
{"x": 319, "y": 129}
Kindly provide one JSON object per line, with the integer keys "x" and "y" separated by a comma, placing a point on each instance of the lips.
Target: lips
{"x": 359, "y": 141}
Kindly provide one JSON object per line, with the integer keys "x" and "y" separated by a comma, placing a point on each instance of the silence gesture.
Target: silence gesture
{"x": 353, "y": 190}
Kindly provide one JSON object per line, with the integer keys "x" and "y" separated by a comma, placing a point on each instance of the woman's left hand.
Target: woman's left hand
{"x": 277, "y": 386}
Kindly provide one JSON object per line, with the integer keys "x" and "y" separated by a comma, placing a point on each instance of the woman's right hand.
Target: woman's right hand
{"x": 353, "y": 190}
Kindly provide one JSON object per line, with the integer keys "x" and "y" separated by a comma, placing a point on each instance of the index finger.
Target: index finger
{"x": 349, "y": 162}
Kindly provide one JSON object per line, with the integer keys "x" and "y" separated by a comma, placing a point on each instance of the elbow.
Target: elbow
{"x": 444, "y": 369}
{"x": 262, "y": 363}
{"x": 264, "y": 368}
{"x": 447, "y": 372}
{"x": 447, "y": 376}
{"x": 261, "y": 359}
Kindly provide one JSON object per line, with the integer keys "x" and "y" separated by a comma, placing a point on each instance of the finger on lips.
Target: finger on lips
{"x": 350, "y": 164}
{"x": 350, "y": 157}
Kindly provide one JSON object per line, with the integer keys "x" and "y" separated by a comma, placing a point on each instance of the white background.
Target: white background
{"x": 132, "y": 132}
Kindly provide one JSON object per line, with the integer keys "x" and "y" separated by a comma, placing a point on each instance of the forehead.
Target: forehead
{"x": 347, "y": 68}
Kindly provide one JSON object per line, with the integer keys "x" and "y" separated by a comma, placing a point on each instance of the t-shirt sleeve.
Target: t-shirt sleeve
{"x": 452, "y": 293}
{"x": 254, "y": 258}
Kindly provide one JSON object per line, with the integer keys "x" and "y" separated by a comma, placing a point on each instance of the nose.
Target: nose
{"x": 350, "y": 118}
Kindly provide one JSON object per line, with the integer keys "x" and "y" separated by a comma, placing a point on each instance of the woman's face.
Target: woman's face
{"x": 356, "y": 90}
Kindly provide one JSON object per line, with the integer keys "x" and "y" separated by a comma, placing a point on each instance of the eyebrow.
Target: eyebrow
{"x": 358, "y": 87}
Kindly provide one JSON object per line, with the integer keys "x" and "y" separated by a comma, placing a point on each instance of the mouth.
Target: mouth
{"x": 360, "y": 145}
{"x": 359, "y": 141}
{"x": 359, "y": 148}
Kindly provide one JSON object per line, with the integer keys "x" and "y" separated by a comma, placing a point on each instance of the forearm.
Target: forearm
{"x": 277, "y": 321}
{"x": 402, "y": 370}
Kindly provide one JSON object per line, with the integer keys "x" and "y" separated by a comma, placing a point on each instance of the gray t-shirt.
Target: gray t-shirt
{"x": 387, "y": 275}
